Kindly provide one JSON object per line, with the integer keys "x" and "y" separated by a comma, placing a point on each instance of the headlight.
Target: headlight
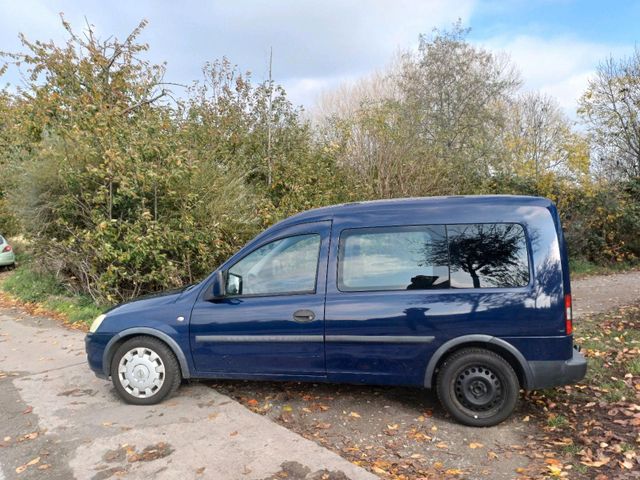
{"x": 96, "y": 323}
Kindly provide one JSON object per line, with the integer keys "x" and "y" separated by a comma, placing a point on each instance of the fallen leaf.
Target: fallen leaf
{"x": 33, "y": 461}
{"x": 475, "y": 445}
{"x": 354, "y": 415}
{"x": 596, "y": 463}
{"x": 29, "y": 409}
{"x": 555, "y": 470}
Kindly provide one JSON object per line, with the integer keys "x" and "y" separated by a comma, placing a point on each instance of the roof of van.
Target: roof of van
{"x": 344, "y": 209}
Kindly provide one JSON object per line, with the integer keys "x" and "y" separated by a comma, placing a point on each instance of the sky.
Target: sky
{"x": 317, "y": 45}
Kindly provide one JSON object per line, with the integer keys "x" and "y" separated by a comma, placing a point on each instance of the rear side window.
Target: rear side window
{"x": 488, "y": 255}
{"x": 398, "y": 258}
{"x": 492, "y": 255}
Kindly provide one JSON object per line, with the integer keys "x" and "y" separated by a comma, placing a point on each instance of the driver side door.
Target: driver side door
{"x": 271, "y": 321}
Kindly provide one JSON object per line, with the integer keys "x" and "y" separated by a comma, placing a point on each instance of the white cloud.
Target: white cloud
{"x": 558, "y": 66}
{"x": 313, "y": 42}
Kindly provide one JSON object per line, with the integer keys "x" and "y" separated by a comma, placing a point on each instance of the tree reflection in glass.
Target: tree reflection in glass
{"x": 483, "y": 255}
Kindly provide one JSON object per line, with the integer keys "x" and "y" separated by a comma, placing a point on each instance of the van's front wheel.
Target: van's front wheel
{"x": 477, "y": 387}
{"x": 144, "y": 371}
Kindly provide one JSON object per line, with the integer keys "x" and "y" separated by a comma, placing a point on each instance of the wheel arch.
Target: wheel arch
{"x": 124, "y": 335}
{"x": 503, "y": 348}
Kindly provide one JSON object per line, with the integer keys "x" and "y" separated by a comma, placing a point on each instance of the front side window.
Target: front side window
{"x": 488, "y": 255}
{"x": 394, "y": 258}
{"x": 288, "y": 265}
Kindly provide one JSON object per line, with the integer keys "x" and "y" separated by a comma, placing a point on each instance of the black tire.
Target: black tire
{"x": 478, "y": 387}
{"x": 171, "y": 377}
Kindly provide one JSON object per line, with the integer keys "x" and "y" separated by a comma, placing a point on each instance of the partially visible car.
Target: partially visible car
{"x": 7, "y": 256}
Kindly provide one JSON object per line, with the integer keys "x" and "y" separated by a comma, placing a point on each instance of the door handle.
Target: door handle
{"x": 304, "y": 316}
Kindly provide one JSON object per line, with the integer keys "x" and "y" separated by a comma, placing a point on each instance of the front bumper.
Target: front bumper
{"x": 94, "y": 345}
{"x": 7, "y": 258}
{"x": 553, "y": 373}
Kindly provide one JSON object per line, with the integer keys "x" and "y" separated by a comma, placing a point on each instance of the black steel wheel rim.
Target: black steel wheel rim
{"x": 478, "y": 388}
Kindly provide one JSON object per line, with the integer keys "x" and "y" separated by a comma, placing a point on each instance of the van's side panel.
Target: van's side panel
{"x": 530, "y": 318}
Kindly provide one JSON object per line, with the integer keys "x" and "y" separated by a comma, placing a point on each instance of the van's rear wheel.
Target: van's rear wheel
{"x": 478, "y": 387}
{"x": 144, "y": 371}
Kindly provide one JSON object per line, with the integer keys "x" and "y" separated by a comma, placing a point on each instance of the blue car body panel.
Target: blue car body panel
{"x": 383, "y": 337}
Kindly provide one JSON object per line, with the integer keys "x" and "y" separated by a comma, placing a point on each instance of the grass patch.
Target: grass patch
{"x": 30, "y": 286}
{"x": 581, "y": 268}
{"x": 557, "y": 421}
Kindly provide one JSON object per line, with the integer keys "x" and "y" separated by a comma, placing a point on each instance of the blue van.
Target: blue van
{"x": 469, "y": 295}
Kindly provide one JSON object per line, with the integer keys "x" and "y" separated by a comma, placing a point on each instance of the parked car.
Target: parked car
{"x": 467, "y": 295}
{"x": 7, "y": 256}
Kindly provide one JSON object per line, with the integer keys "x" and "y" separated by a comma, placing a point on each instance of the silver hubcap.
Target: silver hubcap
{"x": 141, "y": 372}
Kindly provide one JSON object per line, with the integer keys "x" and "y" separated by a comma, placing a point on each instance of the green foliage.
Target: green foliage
{"x": 602, "y": 223}
{"x": 30, "y": 285}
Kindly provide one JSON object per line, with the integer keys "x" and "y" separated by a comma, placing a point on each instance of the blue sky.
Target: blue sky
{"x": 556, "y": 44}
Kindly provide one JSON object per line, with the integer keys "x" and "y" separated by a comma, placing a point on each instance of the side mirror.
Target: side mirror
{"x": 218, "y": 290}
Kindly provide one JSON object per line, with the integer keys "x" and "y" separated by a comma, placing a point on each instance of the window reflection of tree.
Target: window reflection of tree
{"x": 494, "y": 254}
{"x": 439, "y": 277}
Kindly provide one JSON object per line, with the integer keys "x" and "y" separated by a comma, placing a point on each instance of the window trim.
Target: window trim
{"x": 383, "y": 229}
{"x": 278, "y": 294}
{"x": 386, "y": 228}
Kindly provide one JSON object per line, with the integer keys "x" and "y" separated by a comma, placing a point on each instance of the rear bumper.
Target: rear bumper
{"x": 547, "y": 374}
{"x": 7, "y": 258}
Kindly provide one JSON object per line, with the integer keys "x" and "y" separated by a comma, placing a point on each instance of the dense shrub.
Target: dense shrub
{"x": 602, "y": 224}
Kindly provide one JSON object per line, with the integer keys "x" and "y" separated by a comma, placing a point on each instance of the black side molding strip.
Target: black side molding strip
{"x": 259, "y": 338}
{"x": 315, "y": 338}
{"x": 379, "y": 339}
